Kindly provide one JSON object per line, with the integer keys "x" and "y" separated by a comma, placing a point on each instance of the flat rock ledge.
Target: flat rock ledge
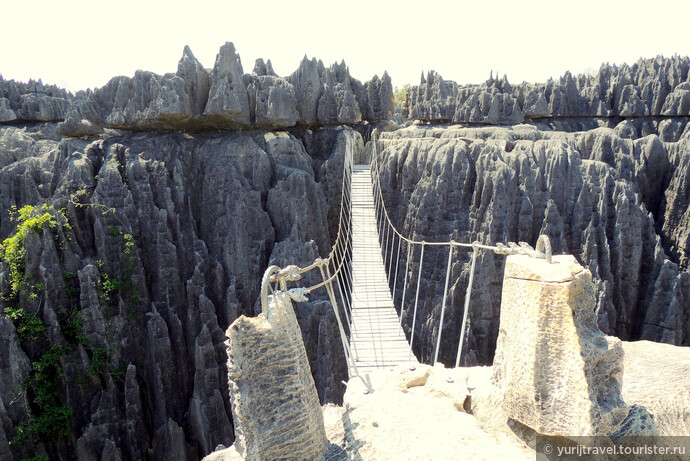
{"x": 555, "y": 374}
{"x": 434, "y": 413}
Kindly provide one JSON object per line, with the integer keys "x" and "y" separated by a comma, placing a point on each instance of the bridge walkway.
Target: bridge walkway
{"x": 377, "y": 339}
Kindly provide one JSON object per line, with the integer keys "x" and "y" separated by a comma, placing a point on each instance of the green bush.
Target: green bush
{"x": 12, "y": 249}
{"x": 400, "y": 95}
{"x": 48, "y": 418}
{"x": 28, "y": 326}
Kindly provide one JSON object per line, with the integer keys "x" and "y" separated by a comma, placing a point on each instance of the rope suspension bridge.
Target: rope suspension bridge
{"x": 360, "y": 274}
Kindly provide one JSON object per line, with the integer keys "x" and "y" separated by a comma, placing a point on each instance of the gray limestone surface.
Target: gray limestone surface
{"x": 618, "y": 204}
{"x": 32, "y": 101}
{"x": 163, "y": 237}
{"x": 159, "y": 244}
{"x": 650, "y": 87}
{"x": 224, "y": 98}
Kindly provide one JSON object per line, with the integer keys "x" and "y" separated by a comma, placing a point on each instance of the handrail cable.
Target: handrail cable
{"x": 386, "y": 232}
{"x": 543, "y": 250}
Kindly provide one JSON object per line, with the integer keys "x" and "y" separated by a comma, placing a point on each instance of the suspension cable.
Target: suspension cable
{"x": 468, "y": 293}
{"x": 386, "y": 231}
{"x": 443, "y": 307}
{"x": 416, "y": 298}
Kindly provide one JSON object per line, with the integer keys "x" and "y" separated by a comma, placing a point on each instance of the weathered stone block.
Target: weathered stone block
{"x": 561, "y": 375}
{"x": 275, "y": 407}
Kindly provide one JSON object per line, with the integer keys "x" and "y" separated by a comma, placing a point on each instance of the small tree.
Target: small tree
{"x": 400, "y": 96}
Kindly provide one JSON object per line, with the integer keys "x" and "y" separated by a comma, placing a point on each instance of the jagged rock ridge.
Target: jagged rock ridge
{"x": 207, "y": 212}
{"x": 617, "y": 204}
{"x": 32, "y": 101}
{"x": 227, "y": 98}
{"x": 656, "y": 87}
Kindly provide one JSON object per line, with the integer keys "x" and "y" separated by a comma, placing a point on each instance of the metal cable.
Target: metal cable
{"x": 468, "y": 294}
{"x": 416, "y": 298}
{"x": 443, "y": 306}
{"x": 346, "y": 346}
{"x": 397, "y": 262}
{"x": 402, "y": 303}
{"x": 386, "y": 231}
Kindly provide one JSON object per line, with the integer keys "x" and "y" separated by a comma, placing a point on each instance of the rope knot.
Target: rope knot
{"x": 288, "y": 274}
{"x": 320, "y": 262}
{"x": 298, "y": 294}
{"x": 543, "y": 250}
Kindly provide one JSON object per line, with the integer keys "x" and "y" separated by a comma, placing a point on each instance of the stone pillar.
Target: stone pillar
{"x": 275, "y": 407}
{"x": 559, "y": 373}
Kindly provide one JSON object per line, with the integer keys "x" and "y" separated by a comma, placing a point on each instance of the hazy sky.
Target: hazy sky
{"x": 79, "y": 44}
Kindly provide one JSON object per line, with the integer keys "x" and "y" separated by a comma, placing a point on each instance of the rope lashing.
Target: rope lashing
{"x": 275, "y": 274}
{"x": 544, "y": 246}
{"x": 298, "y": 294}
{"x": 265, "y": 282}
{"x": 290, "y": 273}
{"x": 543, "y": 250}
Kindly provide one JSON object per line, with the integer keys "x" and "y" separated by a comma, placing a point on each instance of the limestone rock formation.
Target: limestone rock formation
{"x": 227, "y": 98}
{"x": 224, "y": 99}
{"x": 272, "y": 101}
{"x": 650, "y": 87}
{"x": 14, "y": 365}
{"x": 377, "y": 100}
{"x": 6, "y": 113}
{"x": 168, "y": 237}
{"x": 196, "y": 79}
{"x": 146, "y": 101}
{"x": 559, "y": 373}
{"x": 603, "y": 198}
{"x": 276, "y": 411}
{"x": 32, "y": 101}
{"x": 163, "y": 220}
{"x": 433, "y": 99}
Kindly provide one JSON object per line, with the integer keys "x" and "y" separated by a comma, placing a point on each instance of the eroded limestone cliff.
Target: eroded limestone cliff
{"x": 158, "y": 201}
{"x": 614, "y": 200}
{"x": 159, "y": 243}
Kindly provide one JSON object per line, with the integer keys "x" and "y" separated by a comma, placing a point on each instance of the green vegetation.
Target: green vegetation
{"x": 48, "y": 417}
{"x": 400, "y": 95}
{"x": 28, "y": 326}
{"x": 71, "y": 284}
{"x": 73, "y": 325}
{"x": 30, "y": 219}
{"x": 109, "y": 286}
{"x": 102, "y": 363}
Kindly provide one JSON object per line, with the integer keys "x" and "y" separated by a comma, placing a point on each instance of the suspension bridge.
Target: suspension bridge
{"x": 360, "y": 274}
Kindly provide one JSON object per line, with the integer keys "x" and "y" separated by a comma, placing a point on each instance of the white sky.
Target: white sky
{"x": 77, "y": 44}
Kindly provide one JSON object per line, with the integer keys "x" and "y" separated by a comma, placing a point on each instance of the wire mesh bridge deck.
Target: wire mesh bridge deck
{"x": 376, "y": 340}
